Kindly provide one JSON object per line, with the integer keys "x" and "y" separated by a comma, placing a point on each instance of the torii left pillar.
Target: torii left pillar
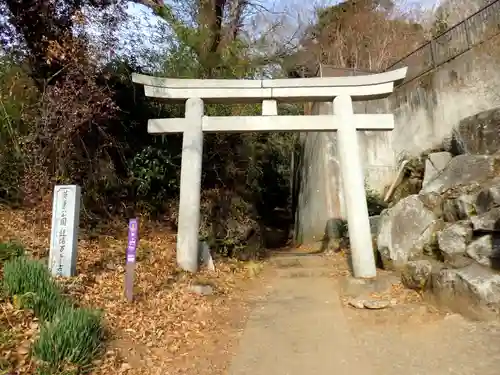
{"x": 190, "y": 193}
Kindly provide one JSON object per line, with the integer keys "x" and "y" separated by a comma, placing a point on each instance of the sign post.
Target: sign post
{"x": 133, "y": 240}
{"x": 64, "y": 231}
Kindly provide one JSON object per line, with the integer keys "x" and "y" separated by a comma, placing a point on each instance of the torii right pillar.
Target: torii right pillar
{"x": 351, "y": 167}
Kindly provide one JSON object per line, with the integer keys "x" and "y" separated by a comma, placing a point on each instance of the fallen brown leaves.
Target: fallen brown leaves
{"x": 397, "y": 293}
{"x": 17, "y": 332}
{"x": 163, "y": 325}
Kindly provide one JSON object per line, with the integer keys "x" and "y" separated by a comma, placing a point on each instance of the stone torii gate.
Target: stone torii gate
{"x": 341, "y": 90}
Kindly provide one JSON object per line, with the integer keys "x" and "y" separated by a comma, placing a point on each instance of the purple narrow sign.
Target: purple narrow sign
{"x": 133, "y": 239}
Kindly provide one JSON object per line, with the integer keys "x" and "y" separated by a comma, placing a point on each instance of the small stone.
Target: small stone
{"x": 358, "y": 303}
{"x": 377, "y": 304}
{"x": 416, "y": 274}
{"x": 454, "y": 316}
{"x": 203, "y": 290}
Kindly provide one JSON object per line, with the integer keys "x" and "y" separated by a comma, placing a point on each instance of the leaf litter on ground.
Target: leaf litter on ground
{"x": 164, "y": 324}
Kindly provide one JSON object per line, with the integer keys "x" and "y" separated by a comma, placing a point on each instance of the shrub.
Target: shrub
{"x": 30, "y": 284}
{"x": 374, "y": 201}
{"x": 74, "y": 337}
{"x": 9, "y": 250}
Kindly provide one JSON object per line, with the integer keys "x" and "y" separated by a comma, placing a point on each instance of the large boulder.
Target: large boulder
{"x": 461, "y": 207}
{"x": 464, "y": 170}
{"x": 434, "y": 164}
{"x": 489, "y": 196}
{"x": 471, "y": 287}
{"x": 453, "y": 241}
{"x": 404, "y": 232}
{"x": 478, "y": 134}
{"x": 463, "y": 202}
{"x": 485, "y": 250}
{"x": 488, "y": 221}
{"x": 416, "y": 274}
{"x": 433, "y": 202}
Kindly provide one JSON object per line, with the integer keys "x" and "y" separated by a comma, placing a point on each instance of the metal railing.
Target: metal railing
{"x": 471, "y": 32}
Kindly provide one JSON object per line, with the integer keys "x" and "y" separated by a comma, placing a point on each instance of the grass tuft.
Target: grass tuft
{"x": 31, "y": 286}
{"x": 10, "y": 250}
{"x": 74, "y": 337}
{"x": 70, "y": 337}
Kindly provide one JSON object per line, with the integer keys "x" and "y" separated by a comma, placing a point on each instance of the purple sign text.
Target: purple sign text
{"x": 133, "y": 240}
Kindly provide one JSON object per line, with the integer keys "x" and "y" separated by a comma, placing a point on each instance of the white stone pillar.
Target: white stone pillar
{"x": 190, "y": 189}
{"x": 269, "y": 107}
{"x": 363, "y": 259}
{"x": 64, "y": 233}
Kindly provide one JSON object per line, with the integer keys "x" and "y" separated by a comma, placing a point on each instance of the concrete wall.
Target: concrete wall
{"x": 320, "y": 192}
{"x": 426, "y": 111}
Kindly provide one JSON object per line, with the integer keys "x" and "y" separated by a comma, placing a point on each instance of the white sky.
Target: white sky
{"x": 143, "y": 25}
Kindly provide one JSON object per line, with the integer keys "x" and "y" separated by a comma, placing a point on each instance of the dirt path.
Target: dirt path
{"x": 302, "y": 326}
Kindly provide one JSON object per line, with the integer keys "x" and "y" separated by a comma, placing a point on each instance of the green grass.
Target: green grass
{"x": 9, "y": 250}
{"x": 74, "y": 337}
{"x": 31, "y": 286}
{"x": 70, "y": 337}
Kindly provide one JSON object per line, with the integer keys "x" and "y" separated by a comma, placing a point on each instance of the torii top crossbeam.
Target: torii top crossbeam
{"x": 226, "y": 91}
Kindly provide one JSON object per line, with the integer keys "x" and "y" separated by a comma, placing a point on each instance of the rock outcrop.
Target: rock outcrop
{"x": 478, "y": 134}
{"x": 464, "y": 170}
{"x": 446, "y": 238}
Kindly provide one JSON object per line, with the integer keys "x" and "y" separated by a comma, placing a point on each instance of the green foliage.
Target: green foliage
{"x": 374, "y": 201}
{"x": 269, "y": 173}
{"x": 156, "y": 172}
{"x": 441, "y": 23}
{"x": 17, "y": 95}
{"x": 9, "y": 250}
{"x": 87, "y": 124}
{"x": 73, "y": 337}
{"x": 11, "y": 173}
{"x": 29, "y": 282}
